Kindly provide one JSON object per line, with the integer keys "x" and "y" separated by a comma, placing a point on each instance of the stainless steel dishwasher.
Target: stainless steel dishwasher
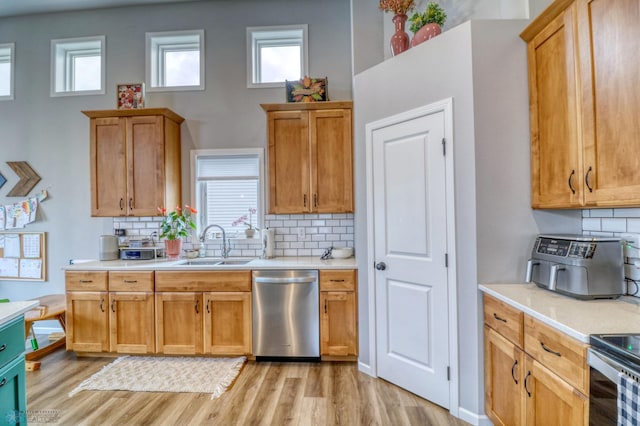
{"x": 286, "y": 315}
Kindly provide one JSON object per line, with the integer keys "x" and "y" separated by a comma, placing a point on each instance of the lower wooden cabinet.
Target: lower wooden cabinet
{"x": 179, "y": 323}
{"x": 131, "y": 323}
{"x": 504, "y": 372}
{"x": 227, "y": 323}
{"x": 87, "y": 321}
{"x": 338, "y": 313}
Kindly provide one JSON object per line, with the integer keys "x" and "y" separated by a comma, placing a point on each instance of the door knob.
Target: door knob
{"x": 381, "y": 266}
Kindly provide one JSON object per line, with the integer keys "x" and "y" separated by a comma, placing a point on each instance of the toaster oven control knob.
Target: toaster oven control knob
{"x": 381, "y": 266}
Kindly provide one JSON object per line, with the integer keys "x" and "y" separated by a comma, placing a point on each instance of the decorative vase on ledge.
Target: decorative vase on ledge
{"x": 425, "y": 33}
{"x": 172, "y": 248}
{"x": 399, "y": 39}
{"x": 250, "y": 232}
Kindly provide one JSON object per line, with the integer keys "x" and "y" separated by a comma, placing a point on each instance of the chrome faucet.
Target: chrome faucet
{"x": 226, "y": 246}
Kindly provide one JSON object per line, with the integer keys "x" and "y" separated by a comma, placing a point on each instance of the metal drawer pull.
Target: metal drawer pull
{"x": 525, "y": 383}
{"x": 498, "y": 318}
{"x": 130, "y": 281}
{"x": 86, "y": 281}
{"x": 113, "y": 305}
{"x": 102, "y": 305}
{"x": 3, "y": 382}
{"x": 586, "y": 179}
{"x": 197, "y": 307}
{"x": 549, "y": 350}
{"x": 3, "y": 347}
{"x": 513, "y": 368}
{"x": 337, "y": 281}
{"x": 573, "y": 172}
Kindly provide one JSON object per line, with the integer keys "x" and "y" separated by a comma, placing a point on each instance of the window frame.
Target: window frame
{"x": 155, "y": 63}
{"x": 253, "y": 64}
{"x": 259, "y": 152}
{"x": 12, "y": 68}
{"x": 67, "y": 66}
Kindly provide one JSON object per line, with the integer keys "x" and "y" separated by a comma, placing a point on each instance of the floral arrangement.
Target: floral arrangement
{"x": 242, "y": 220}
{"x": 433, "y": 15}
{"x": 178, "y": 223}
{"x": 398, "y": 7}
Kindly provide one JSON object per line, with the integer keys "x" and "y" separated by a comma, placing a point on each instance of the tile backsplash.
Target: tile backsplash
{"x": 295, "y": 234}
{"x": 613, "y": 223}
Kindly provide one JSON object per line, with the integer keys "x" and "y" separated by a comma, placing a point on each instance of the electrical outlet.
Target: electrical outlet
{"x": 301, "y": 233}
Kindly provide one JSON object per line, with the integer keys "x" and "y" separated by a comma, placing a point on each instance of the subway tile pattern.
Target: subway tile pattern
{"x": 613, "y": 223}
{"x": 295, "y": 235}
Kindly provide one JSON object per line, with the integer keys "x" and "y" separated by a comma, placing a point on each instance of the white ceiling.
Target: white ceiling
{"x": 28, "y": 7}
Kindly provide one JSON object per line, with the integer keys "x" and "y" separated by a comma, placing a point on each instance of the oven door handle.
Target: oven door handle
{"x": 608, "y": 366}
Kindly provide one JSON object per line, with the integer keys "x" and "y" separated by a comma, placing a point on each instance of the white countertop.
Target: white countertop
{"x": 11, "y": 310}
{"x": 577, "y": 318}
{"x": 177, "y": 264}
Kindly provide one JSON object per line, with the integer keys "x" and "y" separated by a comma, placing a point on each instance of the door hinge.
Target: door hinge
{"x": 448, "y": 373}
{"x": 444, "y": 146}
{"x": 446, "y": 260}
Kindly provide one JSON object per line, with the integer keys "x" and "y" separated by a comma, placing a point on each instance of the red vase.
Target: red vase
{"x": 425, "y": 33}
{"x": 172, "y": 248}
{"x": 399, "y": 39}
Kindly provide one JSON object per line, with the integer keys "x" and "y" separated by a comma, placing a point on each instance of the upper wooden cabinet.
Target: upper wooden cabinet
{"x": 310, "y": 151}
{"x": 584, "y": 86}
{"x": 135, "y": 161}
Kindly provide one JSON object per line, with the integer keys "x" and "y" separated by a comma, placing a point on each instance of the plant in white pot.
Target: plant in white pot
{"x": 427, "y": 24}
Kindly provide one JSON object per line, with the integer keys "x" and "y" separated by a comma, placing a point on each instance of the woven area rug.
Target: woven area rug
{"x": 165, "y": 374}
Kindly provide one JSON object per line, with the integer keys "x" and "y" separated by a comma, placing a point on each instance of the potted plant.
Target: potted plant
{"x": 427, "y": 24}
{"x": 242, "y": 220}
{"x": 176, "y": 225}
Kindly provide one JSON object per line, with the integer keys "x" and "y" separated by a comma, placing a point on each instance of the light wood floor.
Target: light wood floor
{"x": 328, "y": 393}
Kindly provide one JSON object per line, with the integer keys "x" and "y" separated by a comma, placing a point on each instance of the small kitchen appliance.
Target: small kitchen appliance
{"x": 108, "y": 247}
{"x": 584, "y": 267}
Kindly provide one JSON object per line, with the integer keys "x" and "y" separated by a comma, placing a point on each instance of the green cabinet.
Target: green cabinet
{"x": 13, "y": 388}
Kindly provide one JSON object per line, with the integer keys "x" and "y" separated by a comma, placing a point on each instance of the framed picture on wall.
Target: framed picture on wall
{"x": 130, "y": 96}
{"x": 307, "y": 89}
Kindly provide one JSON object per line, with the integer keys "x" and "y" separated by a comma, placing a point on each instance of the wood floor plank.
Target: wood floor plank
{"x": 265, "y": 393}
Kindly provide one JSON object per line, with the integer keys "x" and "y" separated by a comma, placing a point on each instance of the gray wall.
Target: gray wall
{"x": 482, "y": 65}
{"x": 53, "y": 136}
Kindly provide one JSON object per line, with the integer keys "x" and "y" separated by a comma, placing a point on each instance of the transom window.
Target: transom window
{"x": 77, "y": 66}
{"x": 6, "y": 71}
{"x": 276, "y": 54}
{"x": 175, "y": 60}
{"x": 228, "y": 184}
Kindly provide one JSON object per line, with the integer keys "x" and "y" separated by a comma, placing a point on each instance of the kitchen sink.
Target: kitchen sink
{"x": 215, "y": 262}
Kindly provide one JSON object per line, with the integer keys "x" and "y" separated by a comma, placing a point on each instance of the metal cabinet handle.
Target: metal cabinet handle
{"x": 551, "y": 351}
{"x": 197, "y": 306}
{"x": 113, "y": 305}
{"x": 573, "y": 172}
{"x": 86, "y": 281}
{"x": 325, "y": 306}
{"x": 102, "y": 305}
{"x": 586, "y": 179}
{"x": 130, "y": 203}
{"x": 3, "y": 382}
{"x": 304, "y": 200}
{"x": 208, "y": 311}
{"x": 336, "y": 281}
{"x": 526, "y": 379}
{"x": 499, "y": 318}
{"x": 3, "y": 347}
{"x": 315, "y": 200}
{"x": 513, "y": 368}
{"x": 121, "y": 203}
{"x": 130, "y": 281}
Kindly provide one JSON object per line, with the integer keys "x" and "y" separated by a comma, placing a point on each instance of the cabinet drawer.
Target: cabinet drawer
{"x": 504, "y": 319}
{"x": 331, "y": 280}
{"x": 11, "y": 340}
{"x": 86, "y": 280}
{"x": 203, "y": 281}
{"x": 131, "y": 281}
{"x": 558, "y": 352}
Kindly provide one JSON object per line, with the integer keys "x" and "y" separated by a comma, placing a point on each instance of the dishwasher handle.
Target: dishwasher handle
{"x": 284, "y": 280}
{"x": 609, "y": 365}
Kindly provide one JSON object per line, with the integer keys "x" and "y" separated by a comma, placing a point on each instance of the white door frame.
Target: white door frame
{"x": 446, "y": 106}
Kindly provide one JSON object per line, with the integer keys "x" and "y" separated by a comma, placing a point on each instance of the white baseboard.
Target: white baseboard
{"x": 366, "y": 369}
{"x": 474, "y": 418}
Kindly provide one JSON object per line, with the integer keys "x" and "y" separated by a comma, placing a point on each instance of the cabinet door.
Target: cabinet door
{"x": 550, "y": 400}
{"x": 338, "y": 332}
{"x": 332, "y": 160}
{"x": 13, "y": 392}
{"x": 87, "y": 321}
{"x": 132, "y": 322}
{"x": 556, "y": 160}
{"x": 145, "y": 161}
{"x": 289, "y": 157}
{"x": 610, "y": 73}
{"x": 179, "y": 323}
{"x": 108, "y": 167}
{"x": 227, "y": 323}
{"x": 503, "y": 374}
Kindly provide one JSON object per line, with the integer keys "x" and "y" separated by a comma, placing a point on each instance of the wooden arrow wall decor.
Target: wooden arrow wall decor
{"x": 28, "y": 178}
{"x": 2, "y": 180}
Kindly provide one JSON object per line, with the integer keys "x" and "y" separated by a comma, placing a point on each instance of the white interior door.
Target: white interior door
{"x": 410, "y": 243}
